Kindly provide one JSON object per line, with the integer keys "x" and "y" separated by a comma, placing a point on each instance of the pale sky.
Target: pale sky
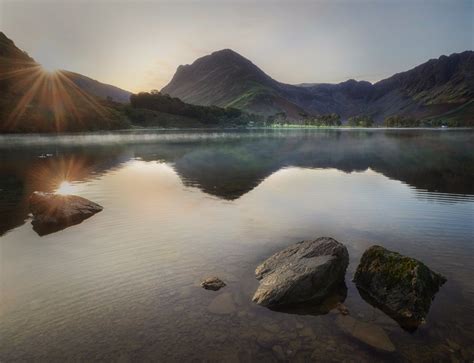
{"x": 137, "y": 45}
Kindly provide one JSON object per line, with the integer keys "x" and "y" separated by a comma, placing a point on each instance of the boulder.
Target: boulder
{"x": 400, "y": 286}
{"x": 305, "y": 271}
{"x": 213, "y": 283}
{"x": 53, "y": 212}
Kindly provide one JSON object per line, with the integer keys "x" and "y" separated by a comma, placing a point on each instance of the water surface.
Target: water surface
{"x": 180, "y": 206}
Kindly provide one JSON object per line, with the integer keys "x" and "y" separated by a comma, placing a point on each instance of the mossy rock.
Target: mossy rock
{"x": 401, "y": 286}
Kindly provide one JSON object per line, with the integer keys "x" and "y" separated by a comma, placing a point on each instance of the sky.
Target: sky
{"x": 137, "y": 45}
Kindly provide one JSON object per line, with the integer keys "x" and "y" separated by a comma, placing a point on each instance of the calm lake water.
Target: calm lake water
{"x": 180, "y": 206}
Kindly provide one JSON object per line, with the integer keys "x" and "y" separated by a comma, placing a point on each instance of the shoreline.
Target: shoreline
{"x": 228, "y": 129}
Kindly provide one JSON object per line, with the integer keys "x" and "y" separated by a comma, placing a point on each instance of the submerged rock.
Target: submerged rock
{"x": 278, "y": 352}
{"x": 53, "y": 212}
{"x": 400, "y": 286}
{"x": 367, "y": 333}
{"x": 222, "y": 304}
{"x": 305, "y": 271}
{"x": 321, "y": 306}
{"x": 342, "y": 309}
{"x": 213, "y": 283}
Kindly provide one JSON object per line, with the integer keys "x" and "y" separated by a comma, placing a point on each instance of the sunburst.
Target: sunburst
{"x": 51, "y": 93}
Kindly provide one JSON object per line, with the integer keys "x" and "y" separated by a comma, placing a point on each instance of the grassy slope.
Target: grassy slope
{"x": 462, "y": 115}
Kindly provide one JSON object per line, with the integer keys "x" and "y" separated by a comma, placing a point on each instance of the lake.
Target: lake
{"x": 124, "y": 285}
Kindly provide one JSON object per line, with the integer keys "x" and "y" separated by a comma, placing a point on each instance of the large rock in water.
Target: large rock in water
{"x": 400, "y": 286}
{"x": 305, "y": 271}
{"x": 53, "y": 212}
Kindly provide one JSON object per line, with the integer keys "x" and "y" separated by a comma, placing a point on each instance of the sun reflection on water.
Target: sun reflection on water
{"x": 65, "y": 188}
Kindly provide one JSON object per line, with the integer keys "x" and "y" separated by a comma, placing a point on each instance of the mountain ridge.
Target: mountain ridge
{"x": 225, "y": 78}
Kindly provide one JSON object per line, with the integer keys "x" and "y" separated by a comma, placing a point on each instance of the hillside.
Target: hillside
{"x": 98, "y": 89}
{"x": 225, "y": 78}
{"x": 156, "y": 109}
{"x": 33, "y": 100}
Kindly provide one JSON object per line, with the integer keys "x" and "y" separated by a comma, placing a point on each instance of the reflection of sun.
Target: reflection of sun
{"x": 65, "y": 188}
{"x": 62, "y": 174}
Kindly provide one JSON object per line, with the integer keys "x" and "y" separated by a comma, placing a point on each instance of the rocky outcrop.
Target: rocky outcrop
{"x": 53, "y": 212}
{"x": 305, "y": 271}
{"x": 212, "y": 283}
{"x": 400, "y": 286}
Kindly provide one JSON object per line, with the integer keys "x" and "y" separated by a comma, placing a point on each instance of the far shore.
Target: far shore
{"x": 8, "y": 139}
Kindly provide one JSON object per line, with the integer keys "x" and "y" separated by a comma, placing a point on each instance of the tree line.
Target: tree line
{"x": 207, "y": 115}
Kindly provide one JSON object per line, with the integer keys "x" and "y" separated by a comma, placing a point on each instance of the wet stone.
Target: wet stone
{"x": 213, "y": 283}
{"x": 241, "y": 314}
{"x": 304, "y": 271}
{"x": 453, "y": 345}
{"x": 306, "y": 332}
{"x": 342, "y": 309}
{"x": 400, "y": 286}
{"x": 294, "y": 345}
{"x": 54, "y": 212}
{"x": 278, "y": 352}
{"x": 272, "y": 328}
{"x": 265, "y": 339}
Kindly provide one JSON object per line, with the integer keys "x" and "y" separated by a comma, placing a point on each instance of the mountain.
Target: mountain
{"x": 225, "y": 78}
{"x": 98, "y": 89}
{"x": 33, "y": 100}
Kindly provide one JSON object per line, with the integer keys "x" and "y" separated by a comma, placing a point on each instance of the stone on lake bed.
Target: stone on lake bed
{"x": 367, "y": 333}
{"x": 342, "y": 309}
{"x": 212, "y": 283}
{"x": 400, "y": 286}
{"x": 53, "y": 212}
{"x": 304, "y": 271}
{"x": 278, "y": 352}
{"x": 222, "y": 304}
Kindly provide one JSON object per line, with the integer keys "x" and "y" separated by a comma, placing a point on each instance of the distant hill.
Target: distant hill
{"x": 98, "y": 89}
{"x": 225, "y": 78}
{"x": 33, "y": 100}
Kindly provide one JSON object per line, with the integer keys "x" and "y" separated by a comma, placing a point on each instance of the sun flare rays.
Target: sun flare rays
{"x": 49, "y": 98}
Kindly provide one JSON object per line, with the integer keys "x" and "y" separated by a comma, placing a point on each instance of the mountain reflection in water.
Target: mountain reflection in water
{"x": 230, "y": 165}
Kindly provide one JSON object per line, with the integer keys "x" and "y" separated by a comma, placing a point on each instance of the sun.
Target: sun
{"x": 46, "y": 68}
{"x": 52, "y": 90}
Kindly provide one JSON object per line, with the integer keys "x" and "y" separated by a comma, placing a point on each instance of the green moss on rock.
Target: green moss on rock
{"x": 401, "y": 286}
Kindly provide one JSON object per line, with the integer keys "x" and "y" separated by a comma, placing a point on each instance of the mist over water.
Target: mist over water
{"x": 179, "y": 206}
